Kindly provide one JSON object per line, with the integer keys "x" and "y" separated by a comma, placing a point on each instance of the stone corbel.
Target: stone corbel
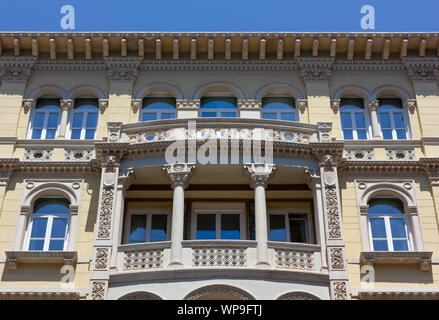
{"x": 126, "y": 177}
{"x": 422, "y": 69}
{"x": 103, "y": 105}
{"x": 27, "y": 105}
{"x": 302, "y": 104}
{"x": 136, "y": 104}
{"x": 16, "y": 70}
{"x": 411, "y": 105}
{"x": 372, "y": 105}
{"x": 335, "y": 105}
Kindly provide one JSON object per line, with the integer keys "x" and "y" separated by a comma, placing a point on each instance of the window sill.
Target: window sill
{"x": 30, "y": 257}
{"x": 423, "y": 258}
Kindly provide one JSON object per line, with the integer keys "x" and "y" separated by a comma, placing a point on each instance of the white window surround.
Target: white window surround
{"x": 158, "y": 112}
{"x": 285, "y": 213}
{"x": 387, "y": 218}
{"x": 401, "y": 189}
{"x": 47, "y": 238}
{"x": 218, "y": 209}
{"x": 148, "y": 212}
{"x": 278, "y": 112}
{"x": 70, "y": 189}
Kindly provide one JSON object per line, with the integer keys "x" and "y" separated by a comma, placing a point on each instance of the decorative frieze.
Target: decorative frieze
{"x": 98, "y": 290}
{"x": 16, "y": 70}
{"x": 359, "y": 154}
{"x": 422, "y": 69}
{"x": 123, "y": 69}
{"x": 188, "y": 104}
{"x": 219, "y": 257}
{"x": 78, "y": 154}
{"x": 325, "y": 131}
{"x": 334, "y": 229}
{"x": 315, "y": 69}
{"x": 400, "y": 154}
{"x": 114, "y": 131}
{"x": 38, "y": 154}
{"x": 249, "y": 104}
{"x": 294, "y": 259}
{"x": 143, "y": 260}
{"x": 339, "y": 290}
{"x": 337, "y": 258}
{"x": 102, "y": 256}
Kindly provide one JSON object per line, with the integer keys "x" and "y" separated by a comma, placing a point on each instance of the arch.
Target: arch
{"x": 392, "y": 90}
{"x": 219, "y": 292}
{"x": 45, "y": 90}
{"x": 86, "y": 90}
{"x": 279, "y": 88}
{"x": 352, "y": 90}
{"x": 219, "y": 86}
{"x": 159, "y": 87}
{"x": 388, "y": 189}
{"x": 298, "y": 295}
{"x": 50, "y": 189}
{"x": 140, "y": 295}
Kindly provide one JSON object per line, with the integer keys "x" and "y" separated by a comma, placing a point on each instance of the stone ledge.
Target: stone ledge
{"x": 398, "y": 295}
{"x": 39, "y": 295}
{"x": 59, "y": 257}
{"x": 423, "y": 258}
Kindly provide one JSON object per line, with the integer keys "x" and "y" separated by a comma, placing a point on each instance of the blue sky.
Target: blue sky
{"x": 224, "y": 15}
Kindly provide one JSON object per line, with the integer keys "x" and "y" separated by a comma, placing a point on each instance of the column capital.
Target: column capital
{"x": 312, "y": 178}
{"x": 178, "y": 173}
{"x": 66, "y": 104}
{"x": 125, "y": 178}
{"x": 259, "y": 173}
{"x": 372, "y": 105}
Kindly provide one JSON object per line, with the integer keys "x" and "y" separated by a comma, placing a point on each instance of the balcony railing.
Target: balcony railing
{"x": 219, "y": 254}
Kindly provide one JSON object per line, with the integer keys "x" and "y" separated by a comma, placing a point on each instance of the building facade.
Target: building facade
{"x": 219, "y": 166}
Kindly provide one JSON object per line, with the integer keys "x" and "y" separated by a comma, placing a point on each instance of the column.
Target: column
{"x": 314, "y": 183}
{"x": 335, "y": 245}
{"x": 259, "y": 175}
{"x": 372, "y": 106}
{"x": 123, "y": 182}
{"x": 178, "y": 174}
{"x": 100, "y": 275}
{"x": 66, "y": 107}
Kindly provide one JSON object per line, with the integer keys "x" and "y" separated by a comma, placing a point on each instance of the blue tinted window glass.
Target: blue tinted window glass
{"x": 36, "y": 245}
{"x": 398, "y": 228}
{"x": 387, "y": 134}
{"x": 51, "y": 206}
{"x": 77, "y": 119}
{"x": 39, "y": 226}
{"x": 378, "y": 228}
{"x": 158, "y": 227}
{"x": 39, "y": 120}
{"x": 50, "y": 133}
{"x": 401, "y": 134}
{"x": 385, "y": 121}
{"x": 359, "y": 121}
{"x": 346, "y": 120}
{"x": 218, "y": 103}
{"x": 76, "y": 134}
{"x": 385, "y": 206}
{"x": 389, "y": 107}
{"x": 278, "y": 103}
{"x": 53, "y": 120}
{"x": 351, "y": 104}
{"x": 230, "y": 226}
{"x": 380, "y": 245}
{"x": 400, "y": 245}
{"x": 59, "y": 227}
{"x": 206, "y": 226}
{"x": 48, "y": 104}
{"x": 137, "y": 228}
{"x": 90, "y": 134}
{"x": 147, "y": 116}
{"x": 277, "y": 228}
{"x": 362, "y": 134}
{"x": 92, "y": 120}
{"x": 56, "y": 245}
{"x": 36, "y": 133}
{"x": 347, "y": 134}
{"x": 228, "y": 114}
{"x": 208, "y": 114}
{"x": 86, "y": 104}
{"x": 167, "y": 115}
{"x": 159, "y": 103}
{"x": 398, "y": 120}
{"x": 268, "y": 115}
{"x": 287, "y": 116}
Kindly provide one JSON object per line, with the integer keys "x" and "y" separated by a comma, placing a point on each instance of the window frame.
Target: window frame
{"x": 47, "y": 235}
{"x": 149, "y": 213}
{"x": 45, "y": 121}
{"x": 367, "y": 121}
{"x": 219, "y": 110}
{"x": 218, "y": 213}
{"x": 158, "y": 112}
{"x": 279, "y": 111}
{"x": 405, "y": 118}
{"x": 84, "y": 121}
{"x": 286, "y": 213}
{"x": 389, "y": 237}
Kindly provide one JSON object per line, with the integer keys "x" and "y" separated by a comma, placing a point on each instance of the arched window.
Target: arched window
{"x": 48, "y": 225}
{"x": 280, "y": 108}
{"x": 45, "y": 119}
{"x": 392, "y": 119}
{"x": 158, "y": 109}
{"x": 388, "y": 225}
{"x": 225, "y": 107}
{"x": 84, "y": 119}
{"x": 353, "y": 119}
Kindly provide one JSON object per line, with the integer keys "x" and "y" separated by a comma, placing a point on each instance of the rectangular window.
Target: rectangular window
{"x": 212, "y": 224}
{"x": 289, "y": 227}
{"x": 147, "y": 226}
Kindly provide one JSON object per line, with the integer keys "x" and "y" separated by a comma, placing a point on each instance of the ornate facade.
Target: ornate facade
{"x": 219, "y": 166}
